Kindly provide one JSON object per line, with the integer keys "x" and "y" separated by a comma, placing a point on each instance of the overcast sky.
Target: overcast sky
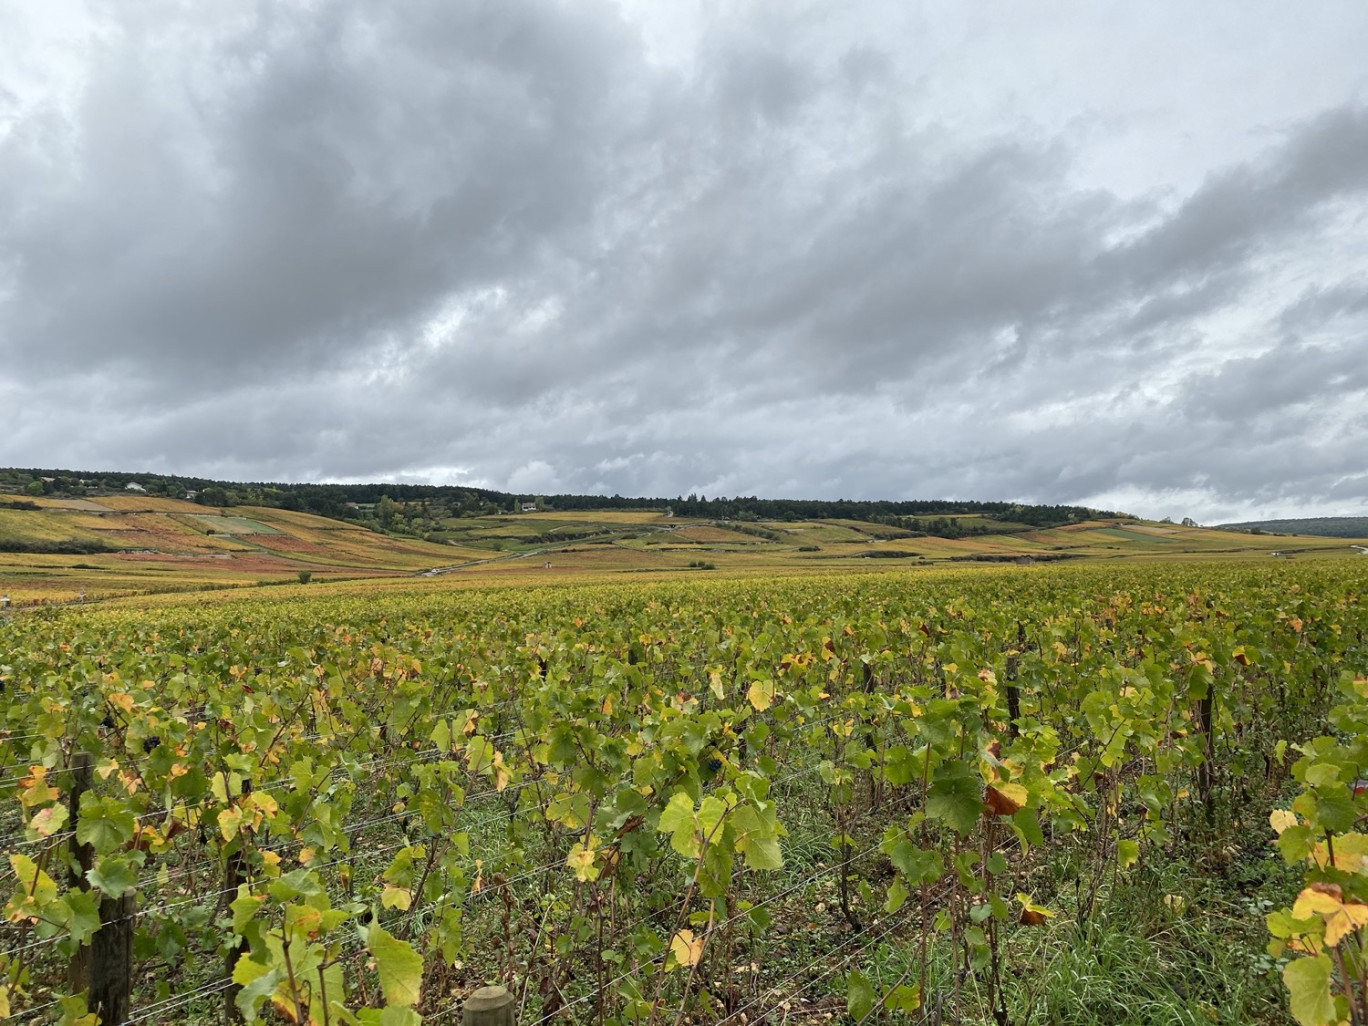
{"x": 1108, "y": 253}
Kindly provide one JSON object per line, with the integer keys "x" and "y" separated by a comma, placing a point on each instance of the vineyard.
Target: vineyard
{"x": 949, "y": 797}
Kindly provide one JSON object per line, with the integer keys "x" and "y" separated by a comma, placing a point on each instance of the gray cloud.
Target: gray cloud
{"x": 587, "y": 247}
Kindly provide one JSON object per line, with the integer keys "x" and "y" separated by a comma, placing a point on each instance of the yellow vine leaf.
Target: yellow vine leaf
{"x": 1281, "y": 819}
{"x": 397, "y": 897}
{"x": 263, "y": 803}
{"x": 581, "y": 862}
{"x": 686, "y": 948}
{"x": 718, "y": 689}
{"x": 49, "y": 820}
{"x": 1340, "y": 918}
{"x": 230, "y": 822}
{"x": 761, "y": 695}
{"x": 1350, "y": 852}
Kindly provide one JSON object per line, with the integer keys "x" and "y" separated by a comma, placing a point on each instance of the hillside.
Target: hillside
{"x": 1325, "y": 527}
{"x": 428, "y": 503}
{"x": 52, "y": 549}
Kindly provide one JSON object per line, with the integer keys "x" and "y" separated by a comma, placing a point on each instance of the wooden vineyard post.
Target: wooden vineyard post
{"x": 83, "y": 855}
{"x": 1013, "y": 689}
{"x": 489, "y": 1006}
{"x": 231, "y": 878}
{"x": 1206, "y": 714}
{"x": 106, "y": 966}
{"x": 111, "y": 961}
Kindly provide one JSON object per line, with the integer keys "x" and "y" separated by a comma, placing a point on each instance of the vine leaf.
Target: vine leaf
{"x": 581, "y": 861}
{"x": 396, "y": 897}
{"x": 104, "y": 823}
{"x": 678, "y": 821}
{"x": 1127, "y": 853}
{"x": 48, "y": 821}
{"x": 859, "y": 995}
{"x": 82, "y": 915}
{"x": 1340, "y": 917}
{"x": 230, "y": 822}
{"x": 954, "y": 797}
{"x": 761, "y": 694}
{"x": 441, "y": 737}
{"x": 399, "y": 967}
{"x": 757, "y": 836}
{"x": 35, "y": 889}
{"x": 114, "y": 876}
{"x": 903, "y": 998}
{"x": 1031, "y": 913}
{"x": 258, "y": 982}
{"x": 75, "y": 1013}
{"x": 1005, "y": 799}
{"x": 392, "y": 1016}
{"x": 1281, "y": 819}
{"x": 1308, "y": 986}
{"x": 715, "y": 684}
{"x": 686, "y": 948}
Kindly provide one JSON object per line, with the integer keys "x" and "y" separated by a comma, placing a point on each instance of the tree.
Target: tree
{"x": 385, "y": 511}
{"x": 1189, "y": 522}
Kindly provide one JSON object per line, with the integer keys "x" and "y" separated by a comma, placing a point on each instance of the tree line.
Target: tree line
{"x": 358, "y": 501}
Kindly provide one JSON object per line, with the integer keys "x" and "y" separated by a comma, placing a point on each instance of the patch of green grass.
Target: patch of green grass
{"x": 1164, "y": 946}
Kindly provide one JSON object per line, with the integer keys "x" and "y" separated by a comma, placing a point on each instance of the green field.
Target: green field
{"x": 211, "y": 524}
{"x": 999, "y": 794}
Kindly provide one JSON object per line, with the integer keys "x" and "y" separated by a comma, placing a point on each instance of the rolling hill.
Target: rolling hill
{"x": 1325, "y": 527}
{"x": 53, "y": 549}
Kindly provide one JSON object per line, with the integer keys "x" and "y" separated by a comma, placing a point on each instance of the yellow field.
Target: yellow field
{"x": 132, "y": 502}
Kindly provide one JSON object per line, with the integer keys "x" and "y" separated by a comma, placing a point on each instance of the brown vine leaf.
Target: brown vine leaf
{"x": 1004, "y": 802}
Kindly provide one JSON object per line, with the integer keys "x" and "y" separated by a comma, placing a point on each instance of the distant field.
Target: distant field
{"x": 134, "y": 503}
{"x": 230, "y": 525}
{"x": 122, "y": 545}
{"x": 1329, "y": 527}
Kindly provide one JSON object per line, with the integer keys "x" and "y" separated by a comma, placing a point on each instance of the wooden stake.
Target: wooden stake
{"x": 111, "y": 961}
{"x": 488, "y": 1006}
{"x": 78, "y": 973}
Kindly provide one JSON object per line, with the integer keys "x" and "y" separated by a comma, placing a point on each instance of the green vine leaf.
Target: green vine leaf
{"x": 1308, "y": 986}
{"x": 114, "y": 875}
{"x": 954, "y": 797}
{"x": 859, "y": 995}
{"x": 399, "y": 967}
{"x": 104, "y": 823}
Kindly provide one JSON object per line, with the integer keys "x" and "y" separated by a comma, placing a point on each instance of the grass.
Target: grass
{"x": 1195, "y": 959}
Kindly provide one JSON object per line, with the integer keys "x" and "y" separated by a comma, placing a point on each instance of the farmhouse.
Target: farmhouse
{"x": 529, "y": 507}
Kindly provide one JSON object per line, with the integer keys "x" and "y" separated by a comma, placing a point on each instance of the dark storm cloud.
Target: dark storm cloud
{"x": 335, "y": 174}
{"x": 510, "y": 243}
